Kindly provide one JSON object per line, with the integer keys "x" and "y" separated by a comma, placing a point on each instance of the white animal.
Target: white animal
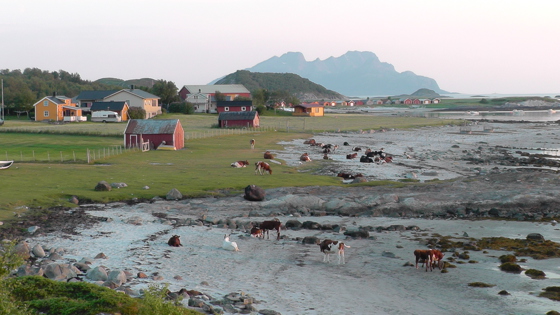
{"x": 227, "y": 245}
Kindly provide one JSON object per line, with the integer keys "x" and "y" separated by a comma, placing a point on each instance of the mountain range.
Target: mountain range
{"x": 356, "y": 73}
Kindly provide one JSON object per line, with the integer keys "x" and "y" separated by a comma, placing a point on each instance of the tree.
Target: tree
{"x": 166, "y": 90}
{"x": 260, "y": 97}
{"x": 181, "y": 107}
{"x": 219, "y": 96}
{"x": 137, "y": 113}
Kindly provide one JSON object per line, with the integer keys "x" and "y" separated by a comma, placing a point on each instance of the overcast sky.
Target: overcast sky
{"x": 475, "y": 46}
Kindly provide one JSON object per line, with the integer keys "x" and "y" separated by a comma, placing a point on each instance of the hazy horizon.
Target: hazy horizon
{"x": 475, "y": 47}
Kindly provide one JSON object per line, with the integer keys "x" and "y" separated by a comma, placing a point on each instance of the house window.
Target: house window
{"x": 46, "y": 113}
{"x": 226, "y": 109}
{"x": 154, "y": 102}
{"x": 243, "y": 108}
{"x": 45, "y": 103}
{"x": 316, "y": 110}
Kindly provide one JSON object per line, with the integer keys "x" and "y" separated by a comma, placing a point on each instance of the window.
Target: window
{"x": 226, "y": 109}
{"x": 45, "y": 103}
{"x": 243, "y": 108}
{"x": 46, "y": 113}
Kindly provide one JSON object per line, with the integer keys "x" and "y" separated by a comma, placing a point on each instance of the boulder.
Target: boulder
{"x": 103, "y": 186}
{"x": 59, "y": 272}
{"x": 535, "y": 237}
{"x": 174, "y": 194}
{"x": 119, "y": 185}
{"x": 310, "y": 240}
{"x": 357, "y": 234}
{"x": 293, "y": 224}
{"x": 38, "y": 251}
{"x": 97, "y": 274}
{"x": 117, "y": 276}
{"x": 27, "y": 270}
{"x": 23, "y": 250}
{"x": 254, "y": 193}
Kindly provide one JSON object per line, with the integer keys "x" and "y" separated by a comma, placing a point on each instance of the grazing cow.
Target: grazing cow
{"x": 227, "y": 245}
{"x": 262, "y": 167}
{"x": 174, "y": 241}
{"x": 351, "y": 156}
{"x": 252, "y": 142}
{"x": 426, "y": 256}
{"x": 310, "y": 141}
{"x": 268, "y": 155}
{"x": 330, "y": 247}
{"x": 366, "y": 159}
{"x": 437, "y": 255}
{"x": 239, "y": 164}
{"x": 357, "y": 149}
{"x": 305, "y": 158}
{"x": 266, "y": 226}
{"x": 257, "y": 232}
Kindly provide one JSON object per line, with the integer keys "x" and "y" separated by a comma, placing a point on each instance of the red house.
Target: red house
{"x": 234, "y": 106}
{"x": 239, "y": 119}
{"x": 154, "y": 133}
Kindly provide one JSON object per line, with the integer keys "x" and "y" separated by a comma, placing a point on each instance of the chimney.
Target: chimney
{"x": 54, "y": 94}
{"x": 132, "y": 87}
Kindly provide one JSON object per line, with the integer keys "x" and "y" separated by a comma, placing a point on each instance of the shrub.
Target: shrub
{"x": 181, "y": 107}
{"x": 510, "y": 267}
{"x": 137, "y": 113}
{"x": 535, "y": 274}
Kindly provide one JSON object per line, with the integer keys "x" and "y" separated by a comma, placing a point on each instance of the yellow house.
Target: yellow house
{"x": 57, "y": 108}
{"x": 309, "y": 110}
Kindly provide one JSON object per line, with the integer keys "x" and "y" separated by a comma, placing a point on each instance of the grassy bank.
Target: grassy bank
{"x": 201, "y": 169}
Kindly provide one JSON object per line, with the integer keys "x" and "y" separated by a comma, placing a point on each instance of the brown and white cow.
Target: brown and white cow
{"x": 305, "y": 158}
{"x": 257, "y": 232}
{"x": 174, "y": 241}
{"x": 262, "y": 167}
{"x": 426, "y": 255}
{"x": 266, "y": 226}
{"x": 437, "y": 256}
{"x": 330, "y": 247}
{"x": 239, "y": 164}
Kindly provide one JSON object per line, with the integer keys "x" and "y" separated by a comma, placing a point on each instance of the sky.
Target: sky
{"x": 471, "y": 47}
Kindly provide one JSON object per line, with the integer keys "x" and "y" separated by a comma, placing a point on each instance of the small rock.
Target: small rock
{"x": 103, "y": 186}
{"x": 535, "y": 237}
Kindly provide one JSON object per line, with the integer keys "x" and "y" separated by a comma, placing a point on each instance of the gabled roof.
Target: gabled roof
{"x": 151, "y": 126}
{"x": 140, "y": 93}
{"x": 223, "y": 88}
{"x": 112, "y": 106}
{"x": 94, "y": 95}
{"x": 237, "y": 115}
{"x": 234, "y": 103}
{"x": 58, "y": 100}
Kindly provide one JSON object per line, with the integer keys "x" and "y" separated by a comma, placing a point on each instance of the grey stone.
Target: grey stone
{"x": 38, "y": 251}
{"x": 174, "y": 194}
{"x": 97, "y": 274}
{"x": 103, "y": 186}
{"x": 254, "y": 193}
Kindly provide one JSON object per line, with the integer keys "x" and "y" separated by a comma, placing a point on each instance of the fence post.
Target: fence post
{"x": 87, "y": 155}
{"x": 74, "y": 153}
{"x": 33, "y": 155}
{"x": 48, "y": 156}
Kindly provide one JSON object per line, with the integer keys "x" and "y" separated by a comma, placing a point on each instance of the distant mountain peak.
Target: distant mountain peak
{"x": 356, "y": 73}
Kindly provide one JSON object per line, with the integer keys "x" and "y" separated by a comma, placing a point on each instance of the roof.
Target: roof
{"x": 151, "y": 126}
{"x": 112, "y": 106}
{"x": 140, "y": 93}
{"x": 58, "y": 100}
{"x": 223, "y": 88}
{"x": 94, "y": 95}
{"x": 309, "y": 105}
{"x": 233, "y": 103}
{"x": 237, "y": 115}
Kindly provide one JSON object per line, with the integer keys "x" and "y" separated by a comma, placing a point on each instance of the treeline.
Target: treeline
{"x": 290, "y": 83}
{"x": 23, "y": 89}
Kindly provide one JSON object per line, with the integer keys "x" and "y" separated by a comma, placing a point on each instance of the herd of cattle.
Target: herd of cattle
{"x": 369, "y": 156}
{"x": 432, "y": 258}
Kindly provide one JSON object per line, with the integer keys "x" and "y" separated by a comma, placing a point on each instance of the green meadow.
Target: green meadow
{"x": 202, "y": 168}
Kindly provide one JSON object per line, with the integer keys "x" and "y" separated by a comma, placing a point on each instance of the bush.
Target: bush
{"x": 137, "y": 113}
{"x": 181, "y": 108}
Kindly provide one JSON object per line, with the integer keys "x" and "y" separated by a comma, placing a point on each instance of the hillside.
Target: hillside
{"x": 300, "y": 87}
{"x": 354, "y": 74}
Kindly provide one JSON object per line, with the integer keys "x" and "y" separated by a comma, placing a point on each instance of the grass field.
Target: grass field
{"x": 201, "y": 169}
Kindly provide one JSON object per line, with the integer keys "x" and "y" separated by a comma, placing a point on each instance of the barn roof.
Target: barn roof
{"x": 151, "y": 126}
{"x": 237, "y": 115}
{"x": 107, "y": 106}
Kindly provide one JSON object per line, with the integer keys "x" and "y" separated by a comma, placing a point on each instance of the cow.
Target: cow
{"x": 366, "y": 159}
{"x": 257, "y": 232}
{"x": 437, "y": 255}
{"x": 356, "y": 149}
{"x": 239, "y": 164}
{"x": 349, "y": 176}
{"x": 268, "y": 155}
{"x": 266, "y": 226}
{"x": 380, "y": 160}
{"x": 262, "y": 167}
{"x": 351, "y": 156}
{"x": 174, "y": 241}
{"x": 252, "y": 143}
{"x": 330, "y": 247}
{"x": 305, "y": 158}
{"x": 426, "y": 255}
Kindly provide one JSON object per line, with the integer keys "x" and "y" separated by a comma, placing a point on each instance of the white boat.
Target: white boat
{"x": 5, "y": 164}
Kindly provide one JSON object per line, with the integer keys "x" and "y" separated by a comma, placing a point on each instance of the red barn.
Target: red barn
{"x": 154, "y": 133}
{"x": 239, "y": 119}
